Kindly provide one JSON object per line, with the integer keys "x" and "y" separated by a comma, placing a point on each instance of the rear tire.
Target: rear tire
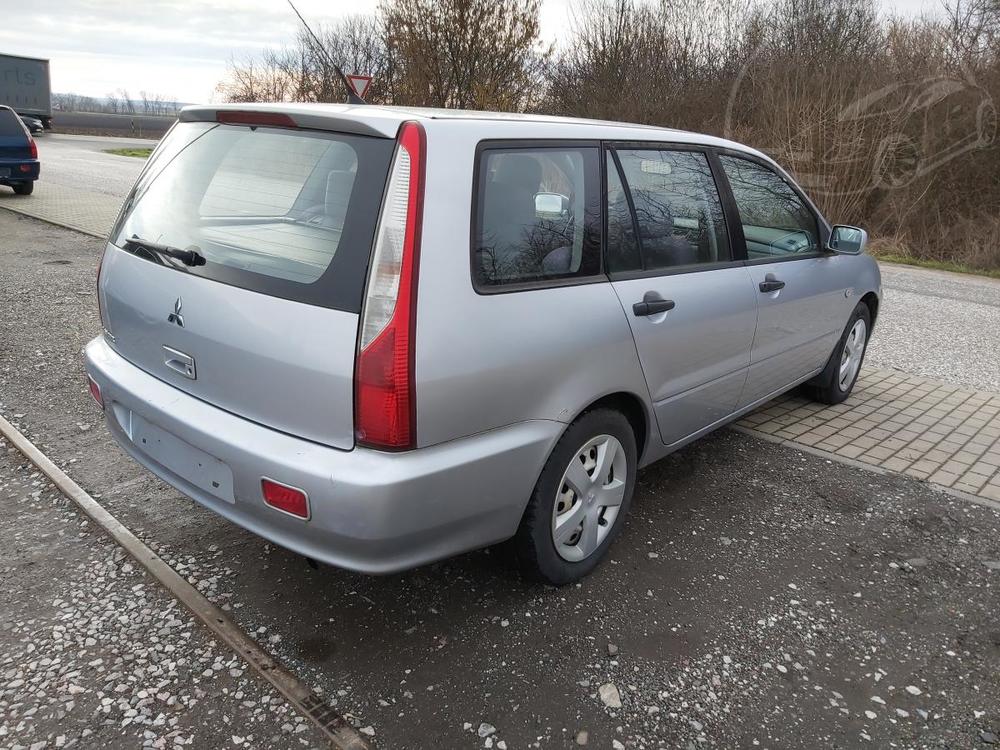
{"x": 24, "y": 188}
{"x": 580, "y": 501}
{"x": 835, "y": 383}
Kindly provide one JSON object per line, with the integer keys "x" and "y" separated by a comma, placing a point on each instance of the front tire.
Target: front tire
{"x": 580, "y": 500}
{"x": 24, "y": 188}
{"x": 835, "y": 383}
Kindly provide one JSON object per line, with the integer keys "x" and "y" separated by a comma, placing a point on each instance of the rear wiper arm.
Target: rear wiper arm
{"x": 189, "y": 257}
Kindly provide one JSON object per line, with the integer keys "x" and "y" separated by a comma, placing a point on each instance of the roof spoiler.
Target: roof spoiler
{"x": 274, "y": 115}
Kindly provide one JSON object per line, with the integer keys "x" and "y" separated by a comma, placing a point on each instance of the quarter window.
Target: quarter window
{"x": 776, "y": 221}
{"x": 538, "y": 216}
{"x": 677, "y": 208}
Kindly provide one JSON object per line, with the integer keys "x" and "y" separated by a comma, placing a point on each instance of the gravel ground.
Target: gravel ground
{"x": 93, "y": 653}
{"x": 939, "y": 325}
{"x": 758, "y": 596}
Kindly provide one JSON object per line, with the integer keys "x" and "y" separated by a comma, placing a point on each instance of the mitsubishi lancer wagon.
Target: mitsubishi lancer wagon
{"x": 382, "y": 336}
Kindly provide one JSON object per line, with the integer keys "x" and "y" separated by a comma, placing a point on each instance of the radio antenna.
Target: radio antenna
{"x": 352, "y": 96}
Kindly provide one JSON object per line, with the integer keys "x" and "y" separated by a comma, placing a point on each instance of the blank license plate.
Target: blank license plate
{"x": 197, "y": 467}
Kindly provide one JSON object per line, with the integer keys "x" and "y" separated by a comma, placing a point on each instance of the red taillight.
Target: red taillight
{"x": 100, "y": 307}
{"x": 95, "y": 391}
{"x": 273, "y": 119}
{"x": 288, "y": 499}
{"x": 33, "y": 146}
{"x": 384, "y": 415}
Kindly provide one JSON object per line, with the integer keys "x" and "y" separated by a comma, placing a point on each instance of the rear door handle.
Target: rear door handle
{"x": 771, "y": 285}
{"x": 652, "y": 303}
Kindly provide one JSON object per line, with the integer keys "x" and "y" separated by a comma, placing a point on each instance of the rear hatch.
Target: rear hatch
{"x": 237, "y": 270}
{"x": 15, "y": 143}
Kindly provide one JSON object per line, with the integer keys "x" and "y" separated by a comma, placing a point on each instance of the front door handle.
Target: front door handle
{"x": 652, "y": 303}
{"x": 771, "y": 285}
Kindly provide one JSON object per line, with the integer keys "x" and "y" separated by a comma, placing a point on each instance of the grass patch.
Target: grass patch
{"x": 937, "y": 265}
{"x": 138, "y": 153}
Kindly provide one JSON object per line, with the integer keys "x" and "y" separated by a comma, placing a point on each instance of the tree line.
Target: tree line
{"x": 118, "y": 102}
{"x": 888, "y": 122}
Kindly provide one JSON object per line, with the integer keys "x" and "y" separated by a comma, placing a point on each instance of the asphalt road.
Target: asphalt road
{"x": 939, "y": 325}
{"x": 758, "y": 597}
{"x": 79, "y": 162}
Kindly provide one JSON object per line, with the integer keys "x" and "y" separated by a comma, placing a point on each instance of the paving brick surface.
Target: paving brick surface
{"x": 91, "y": 213}
{"x": 934, "y": 431}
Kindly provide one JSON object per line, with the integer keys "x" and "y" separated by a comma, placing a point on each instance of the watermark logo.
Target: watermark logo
{"x": 843, "y": 138}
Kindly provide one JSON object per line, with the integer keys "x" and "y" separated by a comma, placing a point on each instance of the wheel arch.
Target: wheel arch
{"x": 634, "y": 410}
{"x": 871, "y": 300}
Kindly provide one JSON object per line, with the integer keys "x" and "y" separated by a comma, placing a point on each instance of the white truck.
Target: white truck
{"x": 25, "y": 87}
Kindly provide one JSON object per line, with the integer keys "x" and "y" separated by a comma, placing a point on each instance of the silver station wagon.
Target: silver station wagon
{"x": 383, "y": 336}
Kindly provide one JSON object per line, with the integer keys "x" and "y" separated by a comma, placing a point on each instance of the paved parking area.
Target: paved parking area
{"x": 903, "y": 423}
{"x": 759, "y": 595}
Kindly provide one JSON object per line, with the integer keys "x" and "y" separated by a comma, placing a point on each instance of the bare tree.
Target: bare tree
{"x": 468, "y": 54}
{"x": 889, "y": 123}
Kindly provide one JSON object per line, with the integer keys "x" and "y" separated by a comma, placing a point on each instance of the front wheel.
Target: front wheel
{"x": 580, "y": 500}
{"x": 835, "y": 383}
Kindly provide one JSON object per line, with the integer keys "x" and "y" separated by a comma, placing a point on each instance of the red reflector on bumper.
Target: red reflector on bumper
{"x": 288, "y": 499}
{"x": 95, "y": 391}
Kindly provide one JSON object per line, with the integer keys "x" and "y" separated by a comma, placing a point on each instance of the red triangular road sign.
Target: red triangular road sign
{"x": 360, "y": 84}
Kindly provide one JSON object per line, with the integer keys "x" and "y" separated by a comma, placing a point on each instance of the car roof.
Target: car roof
{"x": 384, "y": 121}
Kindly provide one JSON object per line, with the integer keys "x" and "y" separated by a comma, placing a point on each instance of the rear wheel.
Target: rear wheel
{"x": 835, "y": 383}
{"x": 24, "y": 188}
{"x": 580, "y": 500}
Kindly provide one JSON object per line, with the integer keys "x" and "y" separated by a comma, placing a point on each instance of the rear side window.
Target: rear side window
{"x": 282, "y": 212}
{"x": 10, "y": 125}
{"x": 538, "y": 216}
{"x": 678, "y": 212}
{"x": 776, "y": 221}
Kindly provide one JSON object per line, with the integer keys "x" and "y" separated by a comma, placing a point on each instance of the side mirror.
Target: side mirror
{"x": 847, "y": 240}
{"x": 550, "y": 204}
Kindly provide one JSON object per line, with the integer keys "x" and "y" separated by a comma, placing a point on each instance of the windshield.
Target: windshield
{"x": 284, "y": 212}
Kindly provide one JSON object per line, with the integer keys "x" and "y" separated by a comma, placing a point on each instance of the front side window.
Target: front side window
{"x": 677, "y": 208}
{"x": 538, "y": 216}
{"x": 776, "y": 221}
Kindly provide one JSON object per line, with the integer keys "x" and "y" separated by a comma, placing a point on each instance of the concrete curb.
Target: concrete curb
{"x": 48, "y": 220}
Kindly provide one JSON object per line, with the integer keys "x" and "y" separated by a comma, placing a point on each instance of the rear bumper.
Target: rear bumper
{"x": 372, "y": 512}
{"x": 11, "y": 170}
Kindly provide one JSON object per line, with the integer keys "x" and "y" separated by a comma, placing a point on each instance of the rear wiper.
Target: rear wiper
{"x": 189, "y": 257}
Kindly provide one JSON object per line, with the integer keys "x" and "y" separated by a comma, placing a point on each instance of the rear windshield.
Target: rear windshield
{"x": 283, "y": 212}
{"x": 10, "y": 124}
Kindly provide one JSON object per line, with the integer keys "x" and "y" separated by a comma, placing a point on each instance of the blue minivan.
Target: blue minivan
{"x": 19, "y": 166}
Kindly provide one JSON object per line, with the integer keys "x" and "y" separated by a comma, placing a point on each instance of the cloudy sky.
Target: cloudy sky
{"x": 179, "y": 48}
